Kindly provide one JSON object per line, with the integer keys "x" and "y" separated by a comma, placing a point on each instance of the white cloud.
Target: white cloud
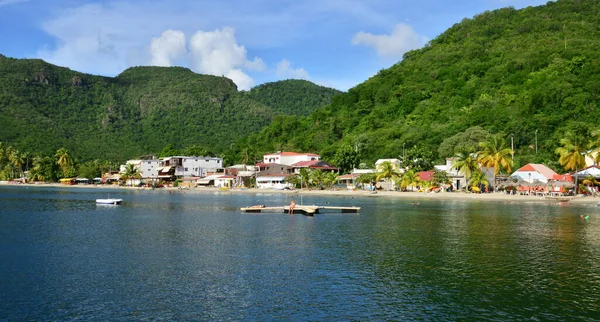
{"x": 218, "y": 53}
{"x": 9, "y": 2}
{"x": 285, "y": 70}
{"x": 167, "y": 48}
{"x": 402, "y": 39}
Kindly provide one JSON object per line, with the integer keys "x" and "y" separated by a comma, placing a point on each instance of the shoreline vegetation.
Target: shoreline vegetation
{"x": 405, "y": 195}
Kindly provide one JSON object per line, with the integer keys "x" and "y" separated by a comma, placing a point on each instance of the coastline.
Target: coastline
{"x": 462, "y": 196}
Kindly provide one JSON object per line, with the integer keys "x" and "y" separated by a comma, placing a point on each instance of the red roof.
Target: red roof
{"x": 293, "y": 154}
{"x": 426, "y": 175}
{"x": 563, "y": 177}
{"x": 539, "y": 168}
{"x": 305, "y": 164}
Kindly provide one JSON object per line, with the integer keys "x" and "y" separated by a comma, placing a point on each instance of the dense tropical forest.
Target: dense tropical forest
{"x": 528, "y": 75}
{"x": 141, "y": 111}
{"x": 524, "y": 78}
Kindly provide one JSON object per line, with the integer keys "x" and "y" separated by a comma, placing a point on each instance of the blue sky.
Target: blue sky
{"x": 336, "y": 43}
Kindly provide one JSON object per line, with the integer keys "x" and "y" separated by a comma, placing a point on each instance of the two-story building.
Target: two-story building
{"x": 289, "y": 158}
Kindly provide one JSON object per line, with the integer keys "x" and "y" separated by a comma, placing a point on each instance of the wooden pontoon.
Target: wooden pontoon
{"x": 300, "y": 209}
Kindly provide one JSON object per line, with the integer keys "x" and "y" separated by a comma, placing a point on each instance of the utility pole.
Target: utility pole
{"x": 512, "y": 145}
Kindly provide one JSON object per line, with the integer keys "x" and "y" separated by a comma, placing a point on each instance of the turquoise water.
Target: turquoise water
{"x": 189, "y": 256}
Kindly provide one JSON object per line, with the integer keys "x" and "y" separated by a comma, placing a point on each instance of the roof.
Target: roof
{"x": 305, "y": 164}
{"x": 291, "y": 154}
{"x": 426, "y": 175}
{"x": 385, "y": 160}
{"x": 539, "y": 168}
{"x": 226, "y": 177}
{"x": 315, "y": 164}
{"x": 349, "y": 176}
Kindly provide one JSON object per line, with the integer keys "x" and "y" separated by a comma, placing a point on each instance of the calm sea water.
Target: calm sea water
{"x": 188, "y": 256}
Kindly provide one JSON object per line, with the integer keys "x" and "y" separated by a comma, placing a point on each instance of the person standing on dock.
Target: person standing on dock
{"x": 292, "y": 206}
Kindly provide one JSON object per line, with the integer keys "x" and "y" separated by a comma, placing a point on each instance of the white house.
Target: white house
{"x": 589, "y": 171}
{"x": 186, "y": 166}
{"x": 272, "y": 181}
{"x": 534, "y": 172}
{"x": 146, "y": 168}
{"x": 289, "y": 158}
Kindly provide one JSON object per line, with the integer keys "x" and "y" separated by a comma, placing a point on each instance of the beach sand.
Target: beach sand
{"x": 496, "y": 196}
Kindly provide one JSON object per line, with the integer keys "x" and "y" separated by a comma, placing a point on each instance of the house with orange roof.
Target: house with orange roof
{"x": 534, "y": 172}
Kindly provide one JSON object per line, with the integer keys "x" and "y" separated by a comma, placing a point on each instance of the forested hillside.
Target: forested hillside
{"x": 525, "y": 74}
{"x": 45, "y": 107}
{"x": 293, "y": 96}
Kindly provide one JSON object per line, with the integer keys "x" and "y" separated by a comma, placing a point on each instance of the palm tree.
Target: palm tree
{"x": 131, "y": 172}
{"x": 478, "y": 179}
{"x": 595, "y": 146}
{"x": 317, "y": 178}
{"x": 410, "y": 178}
{"x": 572, "y": 151}
{"x": 18, "y": 160}
{"x": 330, "y": 179}
{"x": 495, "y": 154}
{"x": 388, "y": 171}
{"x": 590, "y": 181}
{"x": 65, "y": 162}
{"x": 465, "y": 161}
{"x": 304, "y": 177}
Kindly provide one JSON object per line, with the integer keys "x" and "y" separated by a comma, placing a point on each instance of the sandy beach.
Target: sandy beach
{"x": 497, "y": 196}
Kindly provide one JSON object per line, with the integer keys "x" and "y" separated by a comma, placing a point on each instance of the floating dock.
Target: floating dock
{"x": 301, "y": 209}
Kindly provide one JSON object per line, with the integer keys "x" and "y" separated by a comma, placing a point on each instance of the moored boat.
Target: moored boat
{"x": 109, "y": 201}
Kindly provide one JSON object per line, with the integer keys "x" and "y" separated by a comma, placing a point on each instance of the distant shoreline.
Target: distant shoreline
{"x": 497, "y": 196}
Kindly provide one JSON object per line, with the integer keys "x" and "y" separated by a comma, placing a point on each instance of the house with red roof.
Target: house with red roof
{"x": 314, "y": 165}
{"x": 534, "y": 172}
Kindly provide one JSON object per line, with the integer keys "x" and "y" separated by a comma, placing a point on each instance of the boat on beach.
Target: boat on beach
{"x": 109, "y": 201}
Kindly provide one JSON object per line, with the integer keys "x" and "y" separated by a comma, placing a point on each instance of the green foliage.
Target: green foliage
{"x": 293, "y": 96}
{"x": 418, "y": 159}
{"x": 45, "y": 107}
{"x": 504, "y": 71}
{"x": 346, "y": 158}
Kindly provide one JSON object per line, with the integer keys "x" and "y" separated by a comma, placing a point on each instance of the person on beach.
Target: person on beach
{"x": 292, "y": 206}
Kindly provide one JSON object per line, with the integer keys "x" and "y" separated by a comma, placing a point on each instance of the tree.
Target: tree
{"x": 43, "y": 169}
{"x": 330, "y": 179}
{"x": 478, "y": 179}
{"x": 418, "y": 159}
{"x": 304, "y": 177}
{"x": 441, "y": 177}
{"x": 595, "y": 146}
{"x": 572, "y": 151}
{"x": 317, "y": 178}
{"x": 410, "y": 178}
{"x": 65, "y": 162}
{"x": 465, "y": 161}
{"x": 387, "y": 171}
{"x": 168, "y": 151}
{"x": 367, "y": 178}
{"x": 131, "y": 172}
{"x": 346, "y": 158}
{"x": 495, "y": 154}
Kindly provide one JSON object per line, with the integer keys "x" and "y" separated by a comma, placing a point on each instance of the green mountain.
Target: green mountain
{"x": 44, "y": 107}
{"x": 292, "y": 96}
{"x": 532, "y": 73}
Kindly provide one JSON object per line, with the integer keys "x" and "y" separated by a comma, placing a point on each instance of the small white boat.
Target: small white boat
{"x": 109, "y": 201}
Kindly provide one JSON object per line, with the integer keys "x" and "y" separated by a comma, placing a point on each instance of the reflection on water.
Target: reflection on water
{"x": 187, "y": 256}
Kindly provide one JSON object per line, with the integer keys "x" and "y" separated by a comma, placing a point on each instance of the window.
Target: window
{"x": 185, "y": 169}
